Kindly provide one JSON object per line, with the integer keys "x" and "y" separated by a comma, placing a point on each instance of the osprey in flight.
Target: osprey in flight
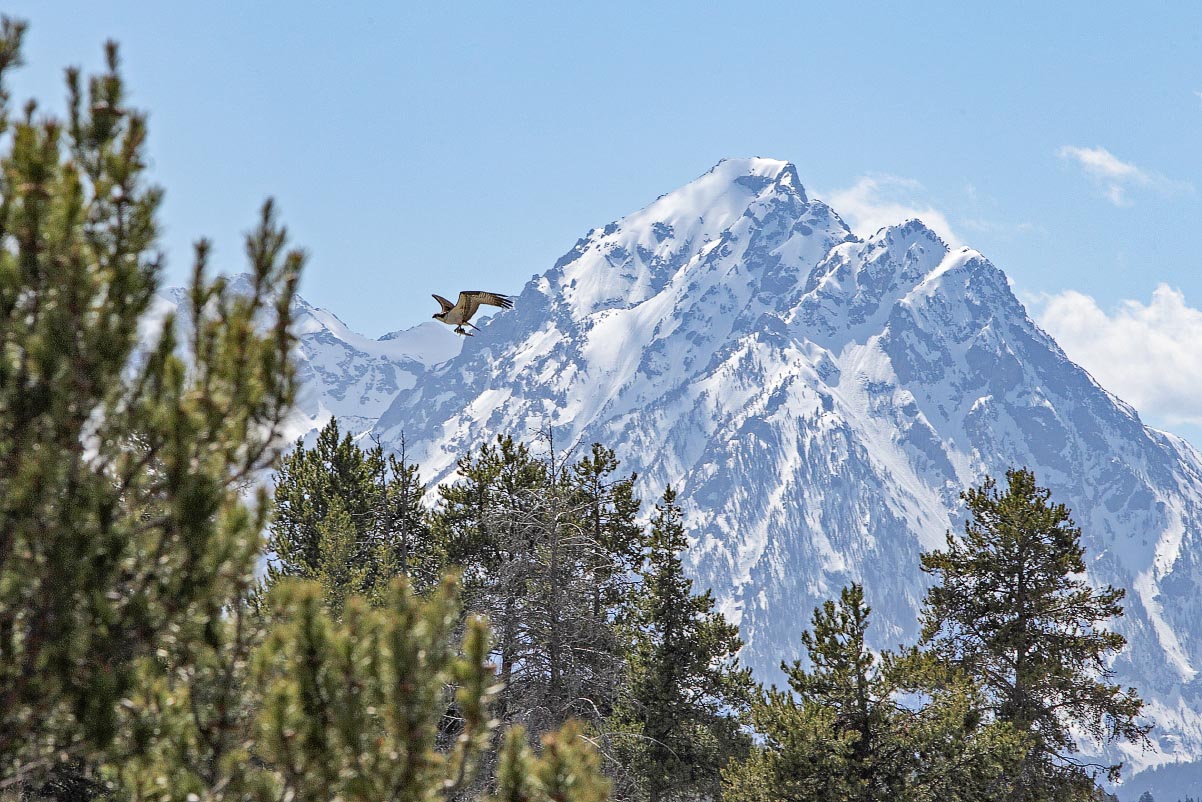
{"x": 460, "y": 314}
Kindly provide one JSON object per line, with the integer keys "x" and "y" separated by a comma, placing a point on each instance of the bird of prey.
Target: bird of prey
{"x": 460, "y": 314}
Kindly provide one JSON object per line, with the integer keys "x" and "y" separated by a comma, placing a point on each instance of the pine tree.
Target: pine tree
{"x": 350, "y": 519}
{"x": 849, "y": 679}
{"x": 335, "y": 472}
{"x": 351, "y": 708}
{"x": 124, "y": 534}
{"x": 608, "y": 509}
{"x": 188, "y": 730}
{"x": 677, "y": 725}
{"x": 342, "y": 568}
{"x": 566, "y": 769}
{"x": 585, "y": 543}
{"x": 959, "y": 755}
{"x": 409, "y": 549}
{"x": 843, "y": 732}
{"x": 355, "y": 708}
{"x": 1010, "y": 607}
{"x": 483, "y": 524}
{"x": 836, "y": 735}
{"x": 545, "y": 547}
{"x": 313, "y": 706}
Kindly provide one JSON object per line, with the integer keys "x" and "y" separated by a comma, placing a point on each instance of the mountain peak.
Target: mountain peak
{"x": 756, "y": 173}
{"x": 745, "y": 177}
{"x": 721, "y": 194}
{"x": 913, "y": 228}
{"x": 737, "y": 204}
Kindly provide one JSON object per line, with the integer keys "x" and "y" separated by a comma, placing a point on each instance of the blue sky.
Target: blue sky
{"x": 419, "y": 148}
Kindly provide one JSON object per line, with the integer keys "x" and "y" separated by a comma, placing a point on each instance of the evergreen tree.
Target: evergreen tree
{"x": 334, "y": 473}
{"x": 958, "y": 755}
{"x": 849, "y": 680}
{"x": 343, "y": 568}
{"x": 677, "y": 725}
{"x": 545, "y": 547}
{"x": 188, "y": 733}
{"x": 350, "y": 519}
{"x": 124, "y": 534}
{"x": 562, "y": 771}
{"x": 608, "y": 509}
{"x": 1010, "y": 607}
{"x": 482, "y": 523}
{"x": 410, "y": 550}
{"x": 351, "y": 707}
{"x": 842, "y": 731}
{"x": 585, "y": 543}
{"x": 355, "y": 709}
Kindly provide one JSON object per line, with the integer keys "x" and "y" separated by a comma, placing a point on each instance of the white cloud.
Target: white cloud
{"x": 1116, "y": 177}
{"x": 1103, "y": 164}
{"x": 1146, "y": 354}
{"x": 876, "y": 201}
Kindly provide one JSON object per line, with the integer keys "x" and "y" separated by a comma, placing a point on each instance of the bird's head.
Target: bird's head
{"x": 438, "y": 315}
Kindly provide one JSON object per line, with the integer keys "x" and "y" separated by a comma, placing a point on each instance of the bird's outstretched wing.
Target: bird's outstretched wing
{"x": 446, "y": 305}
{"x": 470, "y": 301}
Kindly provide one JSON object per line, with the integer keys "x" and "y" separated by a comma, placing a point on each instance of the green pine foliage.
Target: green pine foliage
{"x": 546, "y": 547}
{"x": 565, "y": 769}
{"x": 351, "y": 708}
{"x": 959, "y": 755}
{"x": 612, "y": 540}
{"x": 350, "y": 519}
{"x": 188, "y": 731}
{"x": 676, "y": 726}
{"x": 855, "y": 725}
{"x": 409, "y": 549}
{"x": 1010, "y": 607}
{"x": 484, "y": 523}
{"x": 124, "y": 534}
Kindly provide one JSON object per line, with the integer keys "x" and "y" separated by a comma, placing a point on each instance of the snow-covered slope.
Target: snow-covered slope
{"x": 341, "y": 373}
{"x": 354, "y": 378}
{"x": 819, "y": 402}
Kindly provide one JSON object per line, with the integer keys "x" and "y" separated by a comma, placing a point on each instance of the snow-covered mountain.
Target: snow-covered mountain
{"x": 819, "y": 401}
